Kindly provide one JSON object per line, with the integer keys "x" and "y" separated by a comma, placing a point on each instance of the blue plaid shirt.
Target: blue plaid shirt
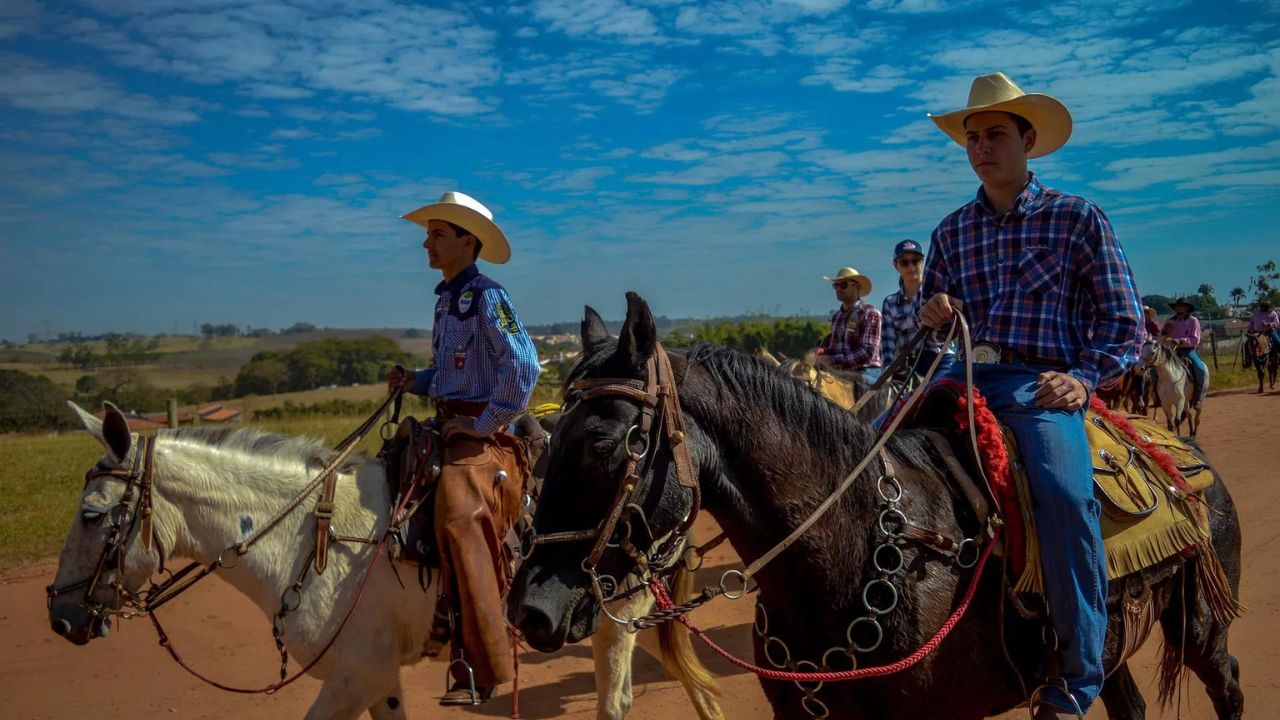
{"x": 482, "y": 352}
{"x": 1047, "y": 278}
{"x": 900, "y": 322}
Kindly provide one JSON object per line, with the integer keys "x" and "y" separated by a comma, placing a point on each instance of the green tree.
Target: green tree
{"x": 1263, "y": 283}
{"x": 1237, "y": 294}
{"x": 32, "y": 402}
{"x": 1160, "y": 303}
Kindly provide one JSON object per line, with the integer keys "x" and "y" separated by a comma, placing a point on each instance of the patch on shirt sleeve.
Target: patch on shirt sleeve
{"x": 464, "y": 301}
{"x": 507, "y": 318}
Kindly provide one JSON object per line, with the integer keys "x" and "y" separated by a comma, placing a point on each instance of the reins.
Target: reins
{"x": 158, "y": 594}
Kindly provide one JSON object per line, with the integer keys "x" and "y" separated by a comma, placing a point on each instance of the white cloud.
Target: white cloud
{"x": 413, "y": 57}
{"x": 20, "y": 17}
{"x": 913, "y": 6}
{"x": 842, "y": 75}
{"x": 30, "y": 84}
{"x": 614, "y": 19}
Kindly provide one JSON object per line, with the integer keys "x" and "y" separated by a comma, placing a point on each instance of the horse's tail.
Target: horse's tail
{"x": 680, "y": 660}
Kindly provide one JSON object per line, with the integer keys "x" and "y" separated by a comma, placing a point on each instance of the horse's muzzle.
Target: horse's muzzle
{"x": 77, "y": 624}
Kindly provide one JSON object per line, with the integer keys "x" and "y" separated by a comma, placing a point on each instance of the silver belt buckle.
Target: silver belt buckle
{"x": 986, "y": 354}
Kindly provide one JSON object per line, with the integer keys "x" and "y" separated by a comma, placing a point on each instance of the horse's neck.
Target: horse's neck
{"x": 207, "y": 500}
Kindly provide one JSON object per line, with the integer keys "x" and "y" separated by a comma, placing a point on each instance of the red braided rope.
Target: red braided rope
{"x": 665, "y": 603}
{"x": 1157, "y": 454}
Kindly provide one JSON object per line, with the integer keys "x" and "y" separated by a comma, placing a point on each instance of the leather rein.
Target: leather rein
{"x": 125, "y": 519}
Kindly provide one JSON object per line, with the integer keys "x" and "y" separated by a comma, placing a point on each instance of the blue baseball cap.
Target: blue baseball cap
{"x": 906, "y": 246}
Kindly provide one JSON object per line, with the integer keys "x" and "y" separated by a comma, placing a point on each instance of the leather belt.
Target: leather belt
{"x": 985, "y": 353}
{"x": 446, "y": 409}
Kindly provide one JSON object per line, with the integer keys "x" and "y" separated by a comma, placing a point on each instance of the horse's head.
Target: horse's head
{"x": 611, "y": 493}
{"x": 103, "y": 560}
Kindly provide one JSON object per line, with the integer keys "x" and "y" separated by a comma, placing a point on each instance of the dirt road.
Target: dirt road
{"x": 129, "y": 676}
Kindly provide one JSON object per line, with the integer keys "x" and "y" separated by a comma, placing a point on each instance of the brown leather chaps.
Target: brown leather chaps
{"x": 479, "y": 497}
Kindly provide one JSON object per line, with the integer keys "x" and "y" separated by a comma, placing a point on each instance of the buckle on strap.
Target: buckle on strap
{"x": 985, "y": 353}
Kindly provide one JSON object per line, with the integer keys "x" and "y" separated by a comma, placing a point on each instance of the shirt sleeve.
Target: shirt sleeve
{"x": 937, "y": 276}
{"x": 888, "y": 334}
{"x": 515, "y": 361}
{"x": 1192, "y": 339}
{"x": 864, "y": 340}
{"x": 1108, "y": 282}
{"x": 422, "y": 381}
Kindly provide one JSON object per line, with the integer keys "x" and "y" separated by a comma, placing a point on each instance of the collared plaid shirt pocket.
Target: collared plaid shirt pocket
{"x": 1039, "y": 270}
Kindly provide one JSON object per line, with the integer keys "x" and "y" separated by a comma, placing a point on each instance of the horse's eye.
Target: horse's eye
{"x": 92, "y": 516}
{"x": 602, "y": 447}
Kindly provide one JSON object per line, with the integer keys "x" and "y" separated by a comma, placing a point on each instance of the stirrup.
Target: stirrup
{"x": 1056, "y": 684}
{"x": 471, "y": 679}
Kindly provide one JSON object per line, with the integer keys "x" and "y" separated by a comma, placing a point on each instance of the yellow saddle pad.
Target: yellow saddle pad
{"x": 1148, "y": 513}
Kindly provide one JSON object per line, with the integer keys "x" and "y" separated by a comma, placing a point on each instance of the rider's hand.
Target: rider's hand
{"x": 939, "y": 311}
{"x": 398, "y": 379}
{"x": 1060, "y": 391}
{"x": 460, "y": 426}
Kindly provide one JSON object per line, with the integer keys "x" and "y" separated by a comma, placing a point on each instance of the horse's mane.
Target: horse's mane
{"x": 309, "y": 451}
{"x": 749, "y": 382}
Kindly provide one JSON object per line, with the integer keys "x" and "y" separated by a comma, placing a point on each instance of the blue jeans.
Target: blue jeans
{"x": 870, "y": 374}
{"x": 925, "y": 359}
{"x": 1059, "y": 466}
{"x": 1198, "y": 369}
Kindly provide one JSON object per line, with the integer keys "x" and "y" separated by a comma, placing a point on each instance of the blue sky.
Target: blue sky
{"x": 246, "y": 160}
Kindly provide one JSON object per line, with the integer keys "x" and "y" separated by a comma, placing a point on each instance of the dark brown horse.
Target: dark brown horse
{"x": 767, "y": 450}
{"x": 1260, "y": 354}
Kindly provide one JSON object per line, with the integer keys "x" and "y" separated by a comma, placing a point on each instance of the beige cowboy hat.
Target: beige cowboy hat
{"x": 997, "y": 93}
{"x": 466, "y": 212}
{"x": 848, "y": 273}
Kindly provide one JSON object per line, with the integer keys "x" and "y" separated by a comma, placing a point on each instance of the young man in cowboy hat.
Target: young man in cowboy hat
{"x": 1043, "y": 280}
{"x": 901, "y": 313}
{"x": 485, "y": 367}
{"x": 854, "y": 342}
{"x": 1265, "y": 320}
{"x": 1184, "y": 329}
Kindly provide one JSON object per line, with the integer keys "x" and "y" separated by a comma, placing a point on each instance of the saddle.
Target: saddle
{"x": 413, "y": 458}
{"x": 1262, "y": 346}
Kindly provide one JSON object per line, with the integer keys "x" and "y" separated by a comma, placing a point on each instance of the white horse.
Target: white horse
{"x": 212, "y": 488}
{"x": 1173, "y": 386}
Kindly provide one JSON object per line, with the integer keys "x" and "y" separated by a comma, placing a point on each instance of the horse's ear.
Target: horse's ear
{"x": 115, "y": 432}
{"x": 593, "y": 330}
{"x": 639, "y": 336}
{"x": 91, "y": 423}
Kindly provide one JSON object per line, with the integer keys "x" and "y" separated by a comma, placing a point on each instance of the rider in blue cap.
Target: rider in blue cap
{"x": 901, "y": 313}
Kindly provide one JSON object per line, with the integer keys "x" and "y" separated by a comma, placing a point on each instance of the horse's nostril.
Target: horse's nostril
{"x": 61, "y": 627}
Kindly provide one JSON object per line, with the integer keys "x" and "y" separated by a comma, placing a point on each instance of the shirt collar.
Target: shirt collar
{"x": 458, "y": 281}
{"x": 1025, "y": 200}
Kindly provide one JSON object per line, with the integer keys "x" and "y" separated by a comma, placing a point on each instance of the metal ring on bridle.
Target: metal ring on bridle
{"x": 603, "y": 583}
{"x": 896, "y": 513}
{"x": 894, "y": 563}
{"x": 893, "y": 596}
{"x": 971, "y": 544}
{"x": 527, "y": 540}
{"x": 821, "y": 713}
{"x": 630, "y": 441}
{"x": 768, "y": 643}
{"x": 893, "y": 483}
{"x": 393, "y": 428}
{"x": 725, "y": 591}
{"x": 848, "y": 635}
{"x": 693, "y": 566}
{"x": 808, "y": 666}
{"x": 219, "y": 562}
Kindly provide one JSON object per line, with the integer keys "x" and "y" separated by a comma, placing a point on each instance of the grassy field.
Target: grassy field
{"x": 41, "y": 477}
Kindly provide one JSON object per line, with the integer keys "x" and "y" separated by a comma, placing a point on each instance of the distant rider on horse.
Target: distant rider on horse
{"x": 1266, "y": 321}
{"x": 854, "y": 342}
{"x": 484, "y": 370}
{"x": 1184, "y": 329}
{"x": 1044, "y": 281}
{"x": 901, "y": 313}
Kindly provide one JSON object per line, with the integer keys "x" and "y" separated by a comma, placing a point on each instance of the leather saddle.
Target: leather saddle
{"x": 413, "y": 458}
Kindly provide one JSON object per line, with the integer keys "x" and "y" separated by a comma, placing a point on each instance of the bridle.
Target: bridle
{"x": 124, "y": 519}
{"x": 659, "y": 417}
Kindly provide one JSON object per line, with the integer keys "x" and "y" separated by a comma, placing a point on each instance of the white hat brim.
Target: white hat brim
{"x": 1050, "y": 118}
{"x": 863, "y": 281}
{"x": 495, "y": 248}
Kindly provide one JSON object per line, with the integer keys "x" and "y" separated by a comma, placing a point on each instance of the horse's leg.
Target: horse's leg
{"x": 1121, "y": 697}
{"x": 347, "y": 694}
{"x": 390, "y": 707}
{"x": 611, "y": 649}
{"x": 1203, "y": 648}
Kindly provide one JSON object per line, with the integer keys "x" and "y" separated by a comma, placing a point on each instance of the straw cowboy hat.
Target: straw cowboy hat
{"x": 466, "y": 212}
{"x": 997, "y": 93}
{"x": 848, "y": 273}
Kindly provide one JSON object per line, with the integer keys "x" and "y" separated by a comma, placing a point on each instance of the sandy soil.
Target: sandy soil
{"x": 129, "y": 676}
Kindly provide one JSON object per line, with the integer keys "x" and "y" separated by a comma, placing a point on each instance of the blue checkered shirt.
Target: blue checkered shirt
{"x": 1047, "y": 278}
{"x": 481, "y": 351}
{"x": 900, "y": 322}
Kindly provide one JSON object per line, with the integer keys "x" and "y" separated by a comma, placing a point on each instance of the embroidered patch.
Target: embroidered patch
{"x": 464, "y": 301}
{"x": 507, "y": 319}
